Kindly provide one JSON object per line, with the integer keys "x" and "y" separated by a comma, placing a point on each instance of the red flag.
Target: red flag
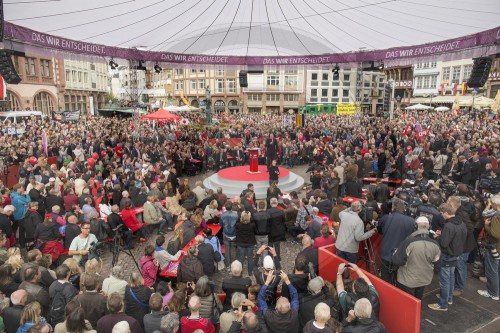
{"x": 407, "y": 130}
{"x": 422, "y": 134}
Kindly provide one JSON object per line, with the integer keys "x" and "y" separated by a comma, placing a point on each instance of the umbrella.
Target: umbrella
{"x": 419, "y": 107}
{"x": 442, "y": 108}
{"x": 161, "y": 114}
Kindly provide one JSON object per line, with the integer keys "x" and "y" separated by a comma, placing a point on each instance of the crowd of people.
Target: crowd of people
{"x": 58, "y": 217}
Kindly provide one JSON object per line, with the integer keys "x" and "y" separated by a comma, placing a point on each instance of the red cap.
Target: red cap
{"x": 409, "y": 148}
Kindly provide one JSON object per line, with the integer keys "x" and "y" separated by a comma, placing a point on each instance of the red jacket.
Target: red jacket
{"x": 190, "y": 325}
{"x": 130, "y": 220}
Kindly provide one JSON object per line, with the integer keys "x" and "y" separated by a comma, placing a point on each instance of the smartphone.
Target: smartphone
{"x": 244, "y": 308}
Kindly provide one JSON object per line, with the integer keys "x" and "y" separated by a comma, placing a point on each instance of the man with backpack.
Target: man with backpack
{"x": 61, "y": 292}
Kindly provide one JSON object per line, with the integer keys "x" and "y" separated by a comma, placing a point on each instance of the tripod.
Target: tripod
{"x": 369, "y": 257}
{"x": 117, "y": 248}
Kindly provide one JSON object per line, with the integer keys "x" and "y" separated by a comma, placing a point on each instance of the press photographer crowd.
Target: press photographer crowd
{"x": 426, "y": 185}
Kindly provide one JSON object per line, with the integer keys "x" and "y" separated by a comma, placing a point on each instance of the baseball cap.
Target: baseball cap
{"x": 315, "y": 285}
{"x": 422, "y": 219}
{"x": 268, "y": 263}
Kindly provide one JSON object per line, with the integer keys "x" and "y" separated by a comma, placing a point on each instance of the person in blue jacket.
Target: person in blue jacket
{"x": 20, "y": 201}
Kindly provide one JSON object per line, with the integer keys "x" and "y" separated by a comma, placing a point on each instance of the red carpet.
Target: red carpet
{"x": 240, "y": 173}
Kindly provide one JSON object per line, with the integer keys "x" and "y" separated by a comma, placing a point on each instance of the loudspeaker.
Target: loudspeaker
{"x": 243, "y": 79}
{"x": 480, "y": 72}
{"x": 7, "y": 68}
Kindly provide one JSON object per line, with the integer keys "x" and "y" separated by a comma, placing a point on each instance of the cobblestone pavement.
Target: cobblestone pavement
{"x": 289, "y": 250}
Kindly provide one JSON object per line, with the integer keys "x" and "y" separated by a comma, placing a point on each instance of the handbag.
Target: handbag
{"x": 215, "y": 316}
{"x": 219, "y": 262}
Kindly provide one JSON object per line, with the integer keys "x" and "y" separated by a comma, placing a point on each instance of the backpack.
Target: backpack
{"x": 100, "y": 229}
{"x": 57, "y": 305}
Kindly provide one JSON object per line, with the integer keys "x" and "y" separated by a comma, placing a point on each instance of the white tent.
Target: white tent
{"x": 418, "y": 107}
{"x": 442, "y": 108}
{"x": 250, "y": 28}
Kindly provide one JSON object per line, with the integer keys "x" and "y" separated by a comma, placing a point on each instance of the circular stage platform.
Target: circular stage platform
{"x": 234, "y": 180}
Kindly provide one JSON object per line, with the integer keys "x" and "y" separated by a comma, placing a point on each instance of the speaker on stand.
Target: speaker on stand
{"x": 243, "y": 79}
{"x": 480, "y": 71}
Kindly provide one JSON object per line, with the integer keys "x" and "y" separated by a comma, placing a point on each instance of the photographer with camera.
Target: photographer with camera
{"x": 492, "y": 258}
{"x": 119, "y": 228}
{"x": 351, "y": 232}
{"x": 394, "y": 228}
{"x": 81, "y": 244}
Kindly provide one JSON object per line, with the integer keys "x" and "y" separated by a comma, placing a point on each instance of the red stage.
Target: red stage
{"x": 240, "y": 173}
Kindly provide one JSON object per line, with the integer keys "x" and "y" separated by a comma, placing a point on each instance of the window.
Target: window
{"x": 426, "y": 82}
{"x": 193, "y": 70}
{"x": 255, "y": 97}
{"x": 43, "y": 102}
{"x": 419, "y": 82}
{"x": 273, "y": 98}
{"x": 335, "y": 93}
{"x": 67, "y": 105}
{"x": 446, "y": 73}
{"x": 231, "y": 85}
{"x": 425, "y": 65}
{"x": 13, "y": 101}
{"x": 179, "y": 71}
{"x": 347, "y": 77}
{"x": 193, "y": 84}
{"x": 179, "y": 85}
{"x": 201, "y": 71}
{"x": 291, "y": 98}
{"x": 455, "y": 76}
{"x": 291, "y": 81}
{"x": 80, "y": 77}
{"x": 419, "y": 66}
{"x": 314, "y": 76}
{"x": 314, "y": 92}
{"x": 324, "y": 92}
{"x": 219, "y": 71}
{"x": 68, "y": 75}
{"x": 29, "y": 65}
{"x": 219, "y": 86}
{"x": 45, "y": 67}
{"x": 433, "y": 64}
{"x": 73, "y": 103}
{"x": 325, "y": 77}
{"x": 85, "y": 77}
{"x": 291, "y": 72}
{"x": 201, "y": 84}
{"x": 345, "y": 93}
{"x": 433, "y": 83}
{"x": 467, "y": 72}
{"x": 273, "y": 80}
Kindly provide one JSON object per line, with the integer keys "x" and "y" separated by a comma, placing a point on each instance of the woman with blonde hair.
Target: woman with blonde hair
{"x": 198, "y": 220}
{"x": 172, "y": 203}
{"x": 245, "y": 239}
{"x": 174, "y": 244}
{"x": 75, "y": 272}
{"x": 31, "y": 315}
{"x": 137, "y": 297}
{"x": 92, "y": 267}
{"x": 227, "y": 318}
{"x": 211, "y": 213}
{"x": 16, "y": 261}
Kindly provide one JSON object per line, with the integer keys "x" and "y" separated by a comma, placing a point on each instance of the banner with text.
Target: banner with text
{"x": 346, "y": 109}
{"x": 25, "y": 35}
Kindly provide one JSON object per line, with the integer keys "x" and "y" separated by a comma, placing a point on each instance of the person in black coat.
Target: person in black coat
{"x": 117, "y": 225}
{"x": 54, "y": 200}
{"x": 37, "y": 196}
{"x": 72, "y": 230}
{"x": 245, "y": 238}
{"x": 29, "y": 224}
{"x": 12, "y": 315}
{"x": 274, "y": 172}
{"x": 142, "y": 293}
{"x": 278, "y": 229}
{"x": 352, "y": 188}
{"x": 382, "y": 191}
{"x": 271, "y": 149}
{"x": 206, "y": 255}
{"x": 382, "y": 161}
{"x": 324, "y": 205}
{"x": 6, "y": 224}
{"x": 463, "y": 173}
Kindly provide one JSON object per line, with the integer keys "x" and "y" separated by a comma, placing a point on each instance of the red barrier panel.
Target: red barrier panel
{"x": 399, "y": 311}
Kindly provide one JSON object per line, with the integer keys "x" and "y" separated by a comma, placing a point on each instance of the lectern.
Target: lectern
{"x": 254, "y": 160}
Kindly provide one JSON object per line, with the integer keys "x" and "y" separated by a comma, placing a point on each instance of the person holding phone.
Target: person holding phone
{"x": 285, "y": 317}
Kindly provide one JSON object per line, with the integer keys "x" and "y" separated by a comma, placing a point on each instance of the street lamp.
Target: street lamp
{"x": 474, "y": 93}
{"x": 431, "y": 95}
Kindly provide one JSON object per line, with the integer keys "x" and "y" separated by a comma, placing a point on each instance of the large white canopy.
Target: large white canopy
{"x": 255, "y": 27}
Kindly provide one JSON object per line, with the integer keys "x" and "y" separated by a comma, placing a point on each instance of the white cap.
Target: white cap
{"x": 52, "y": 179}
{"x": 268, "y": 263}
